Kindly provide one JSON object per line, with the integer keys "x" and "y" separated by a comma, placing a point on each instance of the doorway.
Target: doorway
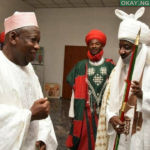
{"x": 73, "y": 54}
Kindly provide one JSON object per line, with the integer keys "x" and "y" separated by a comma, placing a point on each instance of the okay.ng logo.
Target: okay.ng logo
{"x": 134, "y": 2}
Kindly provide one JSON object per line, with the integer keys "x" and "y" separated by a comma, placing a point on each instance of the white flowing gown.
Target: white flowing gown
{"x": 19, "y": 88}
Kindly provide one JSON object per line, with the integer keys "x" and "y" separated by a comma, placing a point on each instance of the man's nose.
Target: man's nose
{"x": 37, "y": 46}
{"x": 93, "y": 45}
{"x": 122, "y": 50}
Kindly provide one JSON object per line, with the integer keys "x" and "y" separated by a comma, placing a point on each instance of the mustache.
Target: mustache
{"x": 123, "y": 56}
{"x": 95, "y": 49}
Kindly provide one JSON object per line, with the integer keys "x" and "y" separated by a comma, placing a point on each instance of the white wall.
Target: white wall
{"x": 65, "y": 26}
{"x": 8, "y": 7}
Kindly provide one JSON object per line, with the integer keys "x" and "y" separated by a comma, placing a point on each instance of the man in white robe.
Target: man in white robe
{"x": 114, "y": 92}
{"x": 141, "y": 139}
{"x": 25, "y": 123}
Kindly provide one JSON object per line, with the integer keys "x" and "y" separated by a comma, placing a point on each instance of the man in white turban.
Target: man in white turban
{"x": 113, "y": 96}
{"x": 25, "y": 123}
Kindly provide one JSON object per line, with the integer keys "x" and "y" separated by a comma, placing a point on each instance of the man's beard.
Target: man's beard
{"x": 126, "y": 60}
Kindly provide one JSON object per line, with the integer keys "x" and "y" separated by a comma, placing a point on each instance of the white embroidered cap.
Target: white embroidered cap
{"x": 20, "y": 19}
{"x": 130, "y": 26}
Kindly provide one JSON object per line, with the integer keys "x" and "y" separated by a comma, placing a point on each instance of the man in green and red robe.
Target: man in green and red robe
{"x": 88, "y": 79}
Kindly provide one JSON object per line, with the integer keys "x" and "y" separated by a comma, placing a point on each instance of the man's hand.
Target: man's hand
{"x": 119, "y": 126}
{"x": 40, "y": 109}
{"x": 136, "y": 89}
{"x": 40, "y": 145}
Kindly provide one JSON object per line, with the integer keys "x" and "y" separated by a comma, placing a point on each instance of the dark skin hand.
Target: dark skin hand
{"x": 40, "y": 145}
{"x": 40, "y": 109}
{"x": 136, "y": 89}
{"x": 116, "y": 121}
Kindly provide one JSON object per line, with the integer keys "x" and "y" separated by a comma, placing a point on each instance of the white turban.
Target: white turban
{"x": 130, "y": 26}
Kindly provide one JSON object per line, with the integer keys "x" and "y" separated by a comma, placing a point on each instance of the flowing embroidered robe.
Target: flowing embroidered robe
{"x": 141, "y": 139}
{"x": 88, "y": 81}
{"x": 19, "y": 88}
{"x": 114, "y": 102}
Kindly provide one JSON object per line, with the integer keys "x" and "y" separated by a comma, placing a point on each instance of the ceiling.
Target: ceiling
{"x": 72, "y": 3}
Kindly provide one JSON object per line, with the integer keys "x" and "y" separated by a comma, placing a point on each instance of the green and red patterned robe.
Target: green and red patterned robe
{"x": 88, "y": 82}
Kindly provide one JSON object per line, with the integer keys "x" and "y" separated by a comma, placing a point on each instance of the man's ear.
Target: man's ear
{"x": 13, "y": 37}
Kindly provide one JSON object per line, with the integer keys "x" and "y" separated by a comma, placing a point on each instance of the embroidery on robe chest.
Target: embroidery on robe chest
{"x": 97, "y": 78}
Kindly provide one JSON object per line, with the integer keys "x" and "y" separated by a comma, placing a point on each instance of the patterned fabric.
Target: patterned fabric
{"x": 97, "y": 76}
{"x": 88, "y": 82}
{"x": 102, "y": 137}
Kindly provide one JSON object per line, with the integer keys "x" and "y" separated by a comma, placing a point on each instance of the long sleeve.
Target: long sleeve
{"x": 19, "y": 88}
{"x": 146, "y": 93}
{"x": 71, "y": 109}
{"x": 14, "y": 124}
{"x": 47, "y": 134}
{"x": 109, "y": 115}
{"x": 109, "y": 111}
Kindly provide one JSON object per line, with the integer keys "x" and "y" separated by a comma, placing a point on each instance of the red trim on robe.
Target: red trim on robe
{"x": 110, "y": 60}
{"x": 69, "y": 141}
{"x": 80, "y": 87}
{"x": 83, "y": 145}
{"x": 77, "y": 128}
